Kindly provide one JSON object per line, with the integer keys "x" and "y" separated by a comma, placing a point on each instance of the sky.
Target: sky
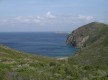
{"x": 50, "y": 15}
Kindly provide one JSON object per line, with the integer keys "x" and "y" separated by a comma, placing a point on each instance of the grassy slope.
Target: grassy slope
{"x": 88, "y": 64}
{"x": 22, "y": 66}
{"x": 16, "y": 65}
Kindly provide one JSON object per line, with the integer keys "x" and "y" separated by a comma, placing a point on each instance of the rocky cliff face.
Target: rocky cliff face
{"x": 79, "y": 37}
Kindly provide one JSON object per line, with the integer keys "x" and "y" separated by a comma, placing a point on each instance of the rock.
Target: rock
{"x": 77, "y": 39}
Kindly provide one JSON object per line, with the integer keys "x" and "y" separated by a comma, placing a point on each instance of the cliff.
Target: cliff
{"x": 78, "y": 38}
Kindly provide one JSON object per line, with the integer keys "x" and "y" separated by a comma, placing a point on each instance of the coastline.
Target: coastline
{"x": 62, "y": 58}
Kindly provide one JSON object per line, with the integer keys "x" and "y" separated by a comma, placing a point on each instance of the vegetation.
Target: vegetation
{"x": 90, "y": 63}
{"x": 93, "y": 59}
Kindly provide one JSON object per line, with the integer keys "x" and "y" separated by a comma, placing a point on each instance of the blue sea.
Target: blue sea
{"x": 40, "y": 43}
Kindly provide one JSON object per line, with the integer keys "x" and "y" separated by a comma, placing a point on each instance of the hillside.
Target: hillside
{"x": 79, "y": 36}
{"x": 93, "y": 56}
{"x": 89, "y": 63}
{"x": 93, "y": 41}
{"x": 16, "y": 65}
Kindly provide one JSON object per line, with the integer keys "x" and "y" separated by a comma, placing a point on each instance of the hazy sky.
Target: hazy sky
{"x": 50, "y": 15}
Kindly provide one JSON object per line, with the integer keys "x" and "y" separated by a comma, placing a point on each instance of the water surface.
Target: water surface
{"x": 41, "y": 43}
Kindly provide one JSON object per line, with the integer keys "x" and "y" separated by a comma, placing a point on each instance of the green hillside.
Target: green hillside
{"x": 89, "y": 63}
{"x": 16, "y": 65}
{"x": 93, "y": 58}
{"x": 96, "y": 50}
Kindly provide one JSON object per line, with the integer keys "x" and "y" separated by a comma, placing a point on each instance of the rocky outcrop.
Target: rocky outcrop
{"x": 79, "y": 37}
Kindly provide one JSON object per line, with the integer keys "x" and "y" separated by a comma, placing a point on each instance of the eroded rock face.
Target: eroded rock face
{"x": 77, "y": 39}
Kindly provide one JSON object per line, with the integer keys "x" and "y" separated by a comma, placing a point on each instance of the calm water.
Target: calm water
{"x": 47, "y": 44}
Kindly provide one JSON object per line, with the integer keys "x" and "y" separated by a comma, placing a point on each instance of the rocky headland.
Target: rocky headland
{"x": 78, "y": 38}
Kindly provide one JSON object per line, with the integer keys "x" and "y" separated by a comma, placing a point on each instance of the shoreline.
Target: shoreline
{"x": 62, "y": 58}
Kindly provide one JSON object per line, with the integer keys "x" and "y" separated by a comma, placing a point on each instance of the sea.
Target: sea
{"x": 49, "y": 44}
